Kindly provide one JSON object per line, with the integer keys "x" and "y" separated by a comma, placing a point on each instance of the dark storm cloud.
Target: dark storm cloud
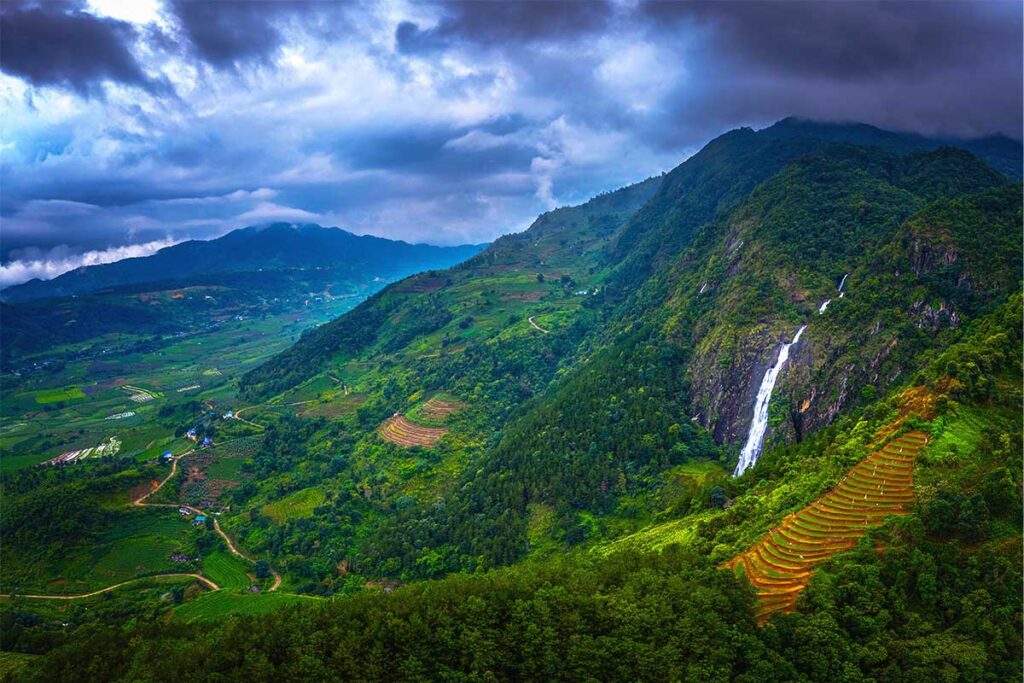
{"x": 58, "y": 44}
{"x": 444, "y": 152}
{"x": 441, "y": 121}
{"x": 225, "y": 32}
{"x": 491, "y": 23}
{"x": 852, "y": 40}
{"x": 937, "y": 68}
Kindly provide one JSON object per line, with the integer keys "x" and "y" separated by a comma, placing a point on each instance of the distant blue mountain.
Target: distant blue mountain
{"x": 279, "y": 246}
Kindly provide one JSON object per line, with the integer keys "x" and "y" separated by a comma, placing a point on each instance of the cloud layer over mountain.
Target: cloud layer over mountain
{"x": 145, "y": 121}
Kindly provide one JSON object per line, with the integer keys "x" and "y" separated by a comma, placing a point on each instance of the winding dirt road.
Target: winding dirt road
{"x": 210, "y": 584}
{"x": 238, "y": 416}
{"x": 536, "y": 326}
{"x": 141, "y": 502}
{"x": 199, "y": 511}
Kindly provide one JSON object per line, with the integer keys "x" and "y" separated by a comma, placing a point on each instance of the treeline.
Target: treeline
{"x": 47, "y": 510}
{"x": 922, "y": 609}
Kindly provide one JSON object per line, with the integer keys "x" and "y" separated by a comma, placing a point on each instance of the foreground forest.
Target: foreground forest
{"x": 519, "y": 467}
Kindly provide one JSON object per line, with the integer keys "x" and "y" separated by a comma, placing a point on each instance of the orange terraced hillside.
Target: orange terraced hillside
{"x": 437, "y": 410}
{"x": 780, "y": 564}
{"x": 399, "y": 430}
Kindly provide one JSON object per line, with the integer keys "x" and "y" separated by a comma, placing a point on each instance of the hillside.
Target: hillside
{"x": 278, "y": 246}
{"x": 604, "y": 448}
{"x": 688, "y": 297}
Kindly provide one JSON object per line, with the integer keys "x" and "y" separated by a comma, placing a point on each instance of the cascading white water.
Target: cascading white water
{"x": 752, "y": 449}
{"x": 824, "y": 306}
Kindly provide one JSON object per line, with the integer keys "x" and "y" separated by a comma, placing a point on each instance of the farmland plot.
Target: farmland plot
{"x": 398, "y": 430}
{"x": 780, "y": 564}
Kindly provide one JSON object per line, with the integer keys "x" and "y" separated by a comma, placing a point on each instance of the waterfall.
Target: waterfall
{"x": 824, "y": 306}
{"x": 752, "y": 449}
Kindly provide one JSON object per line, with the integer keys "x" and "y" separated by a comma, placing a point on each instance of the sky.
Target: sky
{"x": 129, "y": 125}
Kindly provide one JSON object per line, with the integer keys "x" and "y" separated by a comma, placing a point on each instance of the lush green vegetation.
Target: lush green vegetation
{"x": 217, "y": 606}
{"x": 573, "y": 520}
{"x": 294, "y": 505}
{"x": 226, "y": 570}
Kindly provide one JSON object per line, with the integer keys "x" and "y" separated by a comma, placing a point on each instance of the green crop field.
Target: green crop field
{"x": 45, "y": 396}
{"x": 335, "y": 406}
{"x": 139, "y": 542}
{"x": 219, "y": 604}
{"x": 225, "y": 468}
{"x": 294, "y": 505}
{"x": 13, "y": 662}
{"x": 226, "y": 570}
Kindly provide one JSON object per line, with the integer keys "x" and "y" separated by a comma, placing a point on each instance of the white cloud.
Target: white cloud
{"x": 59, "y": 260}
{"x": 638, "y": 74}
{"x": 135, "y": 11}
{"x": 269, "y": 211}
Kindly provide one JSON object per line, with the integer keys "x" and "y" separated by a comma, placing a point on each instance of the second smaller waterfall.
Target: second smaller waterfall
{"x": 758, "y": 426}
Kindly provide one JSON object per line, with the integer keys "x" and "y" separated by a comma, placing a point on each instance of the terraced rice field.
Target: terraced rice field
{"x": 295, "y": 505}
{"x": 437, "y": 410}
{"x": 399, "y": 430}
{"x": 780, "y": 564}
{"x": 226, "y": 570}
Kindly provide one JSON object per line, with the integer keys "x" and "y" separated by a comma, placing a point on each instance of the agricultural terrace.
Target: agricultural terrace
{"x": 398, "y": 430}
{"x": 46, "y": 396}
{"x": 217, "y": 605}
{"x": 436, "y": 410}
{"x": 209, "y": 473}
{"x": 295, "y": 505}
{"x": 226, "y": 570}
{"x": 780, "y": 564}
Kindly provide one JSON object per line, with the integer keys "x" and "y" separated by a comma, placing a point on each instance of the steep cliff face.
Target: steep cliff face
{"x": 916, "y": 271}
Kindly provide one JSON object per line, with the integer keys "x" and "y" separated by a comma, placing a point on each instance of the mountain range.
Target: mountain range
{"x": 273, "y": 247}
{"x": 524, "y": 466}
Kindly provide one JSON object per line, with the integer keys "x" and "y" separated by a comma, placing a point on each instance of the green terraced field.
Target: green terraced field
{"x": 219, "y": 604}
{"x": 226, "y": 570}
{"x": 294, "y": 505}
{"x": 140, "y": 542}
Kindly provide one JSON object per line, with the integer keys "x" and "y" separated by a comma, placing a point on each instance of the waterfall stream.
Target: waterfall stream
{"x": 752, "y": 449}
{"x": 758, "y": 426}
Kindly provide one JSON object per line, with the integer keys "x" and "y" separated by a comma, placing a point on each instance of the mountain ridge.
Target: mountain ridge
{"x": 780, "y": 220}
{"x": 263, "y": 247}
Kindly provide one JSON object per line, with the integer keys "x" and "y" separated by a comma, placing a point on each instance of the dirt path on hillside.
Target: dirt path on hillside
{"x": 199, "y": 511}
{"x": 210, "y": 584}
{"x": 251, "y": 424}
{"x": 536, "y": 326}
